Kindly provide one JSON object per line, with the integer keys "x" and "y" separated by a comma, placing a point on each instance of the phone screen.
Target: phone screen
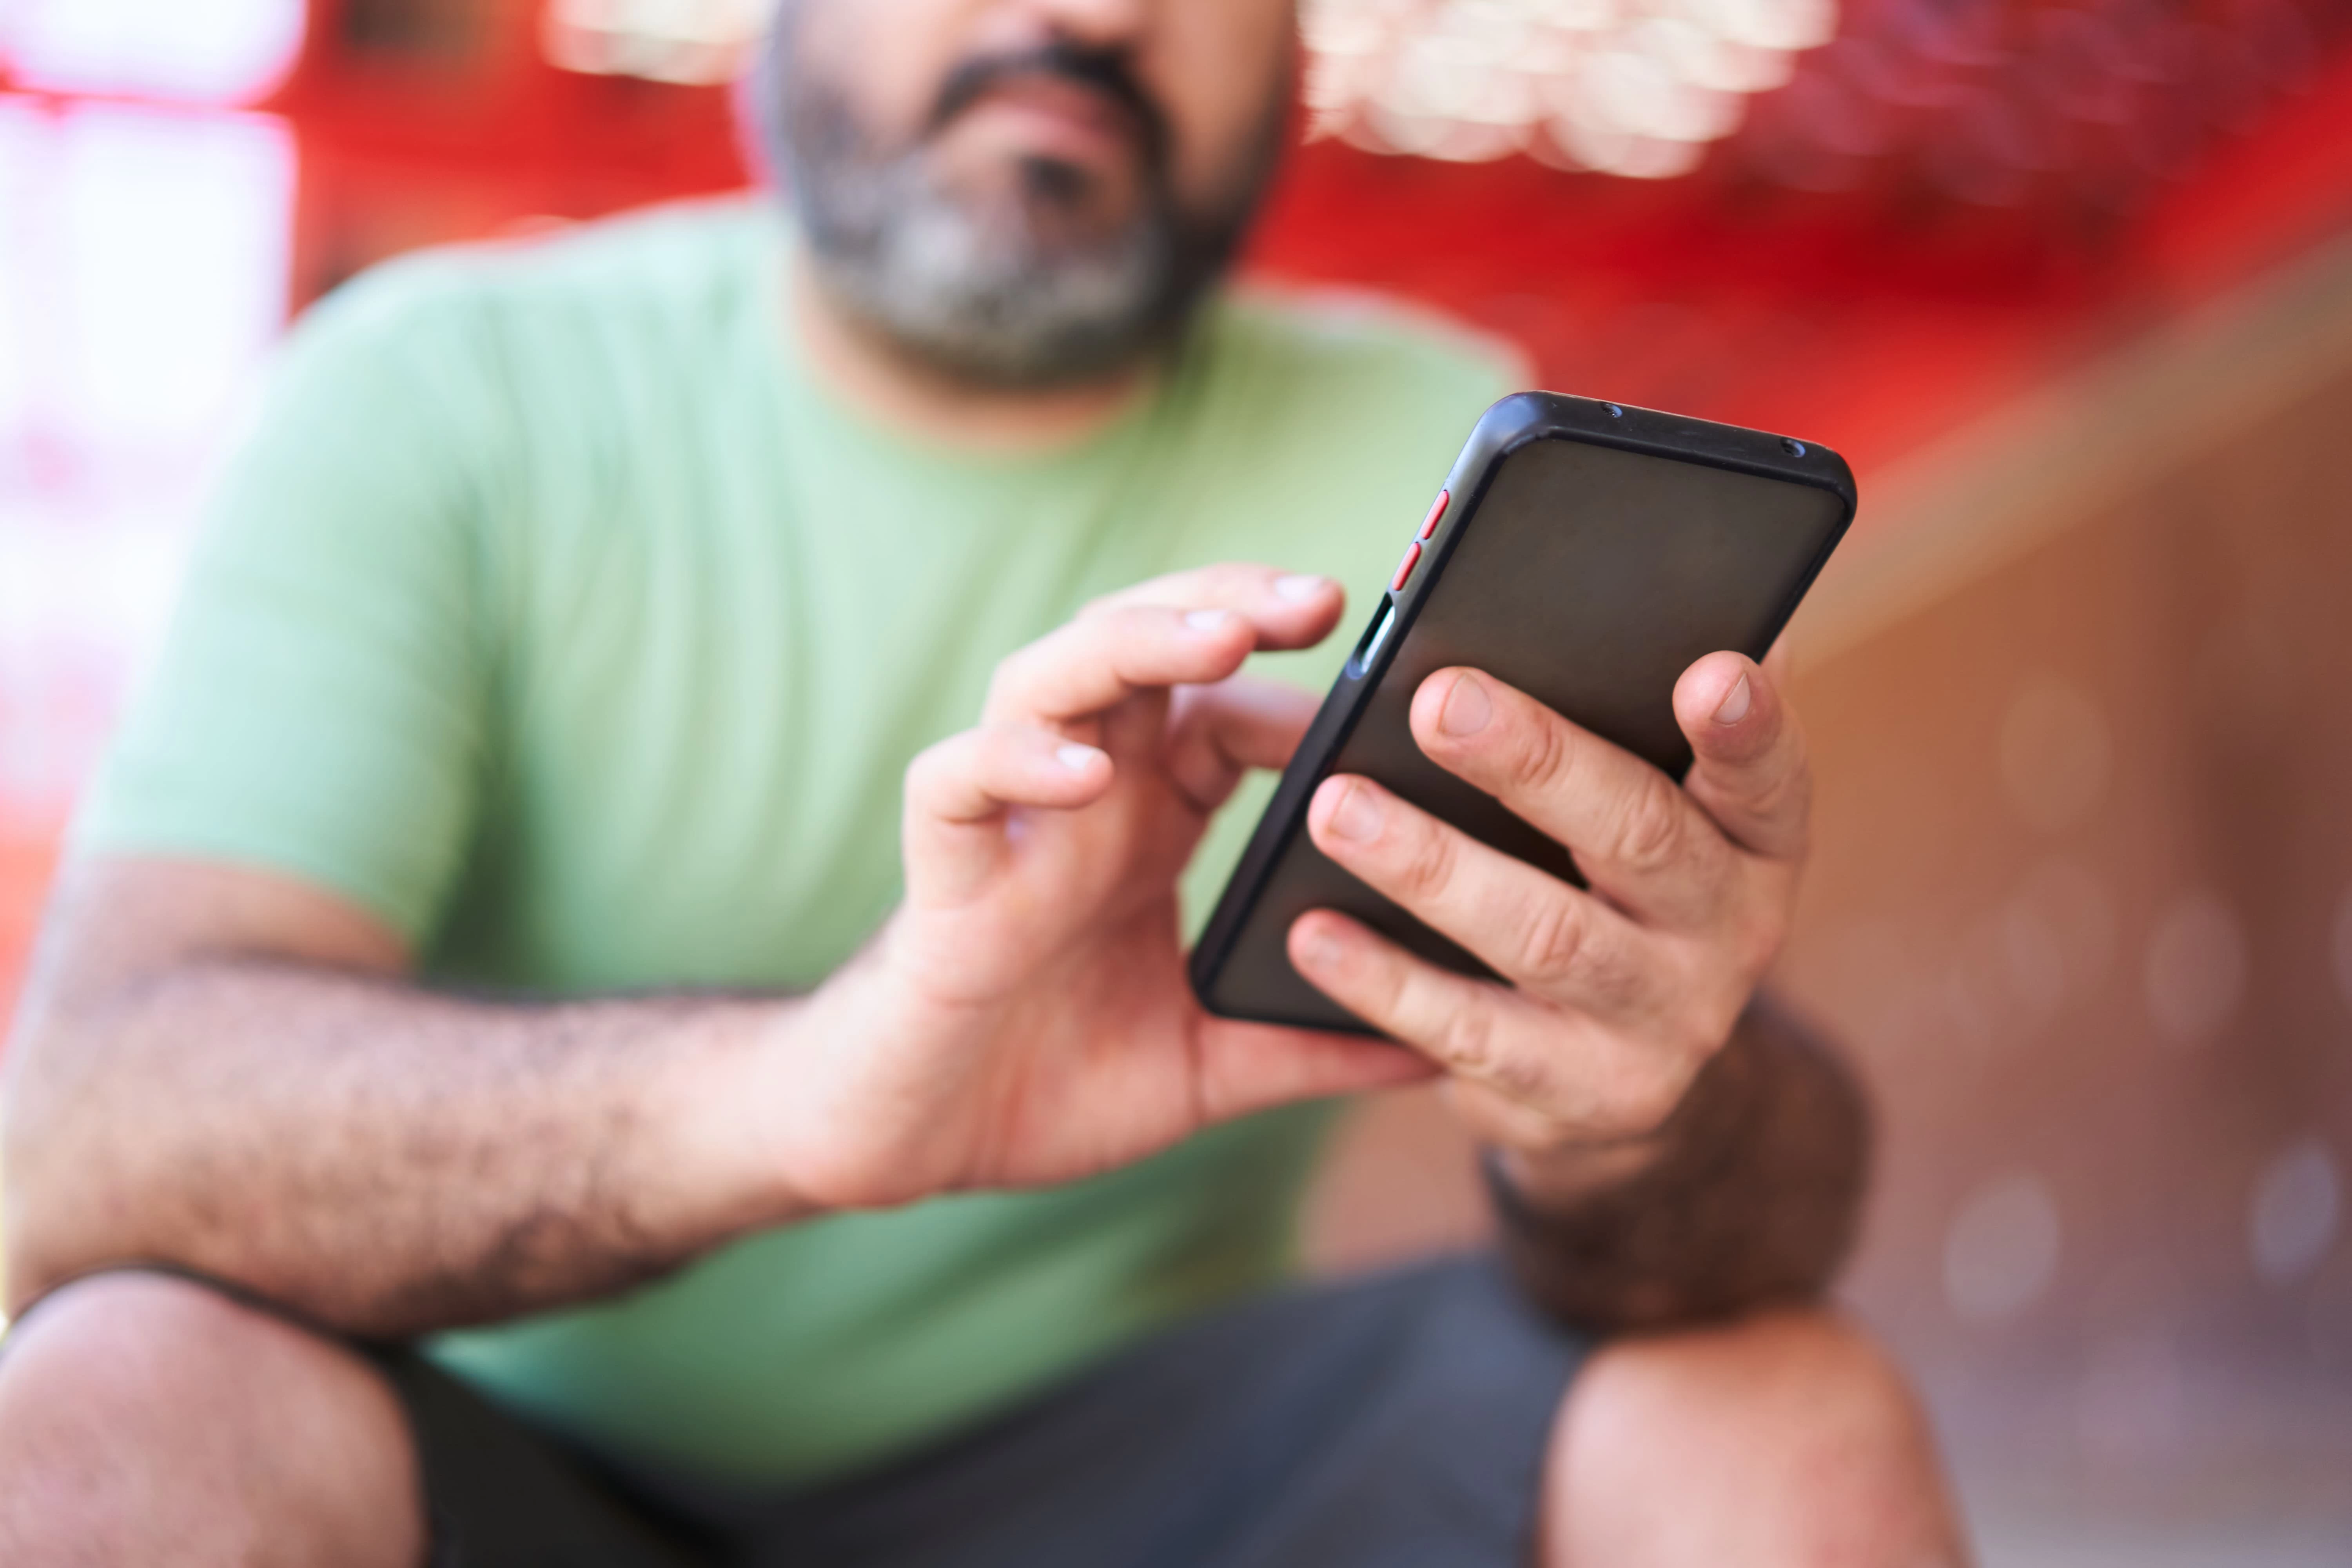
{"x": 1590, "y": 577}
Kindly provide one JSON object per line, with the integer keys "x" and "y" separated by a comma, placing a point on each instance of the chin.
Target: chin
{"x": 1082, "y": 199}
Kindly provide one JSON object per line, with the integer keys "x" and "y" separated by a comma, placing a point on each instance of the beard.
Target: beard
{"x": 1020, "y": 288}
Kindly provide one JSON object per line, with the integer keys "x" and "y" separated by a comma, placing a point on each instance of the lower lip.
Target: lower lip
{"x": 1039, "y": 128}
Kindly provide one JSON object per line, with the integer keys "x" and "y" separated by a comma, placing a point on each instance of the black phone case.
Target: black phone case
{"x": 1589, "y": 553}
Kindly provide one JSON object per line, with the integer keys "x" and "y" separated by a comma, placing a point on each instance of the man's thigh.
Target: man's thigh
{"x": 1403, "y": 1419}
{"x": 502, "y": 1494}
{"x": 166, "y": 1407}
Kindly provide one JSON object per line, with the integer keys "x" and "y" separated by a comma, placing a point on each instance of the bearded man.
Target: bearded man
{"x": 619, "y": 1001}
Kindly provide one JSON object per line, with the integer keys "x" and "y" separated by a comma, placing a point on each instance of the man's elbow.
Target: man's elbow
{"x": 26, "y": 1272}
{"x": 49, "y": 1193}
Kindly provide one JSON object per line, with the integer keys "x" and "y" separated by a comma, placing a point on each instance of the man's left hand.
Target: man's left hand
{"x": 1618, "y": 995}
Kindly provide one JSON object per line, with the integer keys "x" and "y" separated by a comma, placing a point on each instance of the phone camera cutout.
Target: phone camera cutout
{"x": 1794, "y": 448}
{"x": 1615, "y": 411}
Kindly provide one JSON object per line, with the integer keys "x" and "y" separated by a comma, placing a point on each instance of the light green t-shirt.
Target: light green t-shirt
{"x": 555, "y": 616}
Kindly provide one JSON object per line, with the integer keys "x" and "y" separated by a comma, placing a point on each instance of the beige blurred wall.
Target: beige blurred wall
{"x": 2082, "y": 905}
{"x": 2080, "y": 696}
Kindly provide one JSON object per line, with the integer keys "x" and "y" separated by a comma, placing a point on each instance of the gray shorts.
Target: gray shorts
{"x": 1397, "y": 1420}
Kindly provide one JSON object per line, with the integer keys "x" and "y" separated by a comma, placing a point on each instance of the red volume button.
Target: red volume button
{"x": 1436, "y": 514}
{"x": 1405, "y": 567}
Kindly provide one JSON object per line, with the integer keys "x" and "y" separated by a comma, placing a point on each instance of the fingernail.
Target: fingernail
{"x": 1466, "y": 708}
{"x": 1298, "y": 585}
{"x": 1357, "y": 816}
{"x": 1075, "y": 757}
{"x": 1733, "y": 706}
{"x": 1320, "y": 949}
{"x": 1206, "y": 620}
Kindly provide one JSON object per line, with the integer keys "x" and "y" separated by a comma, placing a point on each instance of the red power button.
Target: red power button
{"x": 1405, "y": 567}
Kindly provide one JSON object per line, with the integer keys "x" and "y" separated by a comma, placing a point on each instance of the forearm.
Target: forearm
{"x": 1748, "y": 1195}
{"x": 384, "y": 1159}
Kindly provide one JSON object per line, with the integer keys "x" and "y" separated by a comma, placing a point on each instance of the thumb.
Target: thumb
{"x": 1255, "y": 1067}
{"x": 1749, "y": 771}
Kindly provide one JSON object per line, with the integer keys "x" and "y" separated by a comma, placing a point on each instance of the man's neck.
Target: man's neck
{"x": 893, "y": 390}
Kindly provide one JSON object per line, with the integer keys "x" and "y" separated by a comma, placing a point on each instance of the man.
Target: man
{"x": 620, "y": 1001}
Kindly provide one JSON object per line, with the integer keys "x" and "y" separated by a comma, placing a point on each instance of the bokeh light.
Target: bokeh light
{"x": 2195, "y": 969}
{"x": 2291, "y": 1220}
{"x": 142, "y": 279}
{"x": 2340, "y": 949}
{"x": 222, "y": 51}
{"x": 2003, "y": 1248}
{"x": 2054, "y": 753}
{"x": 2069, "y": 901}
{"x": 660, "y": 40}
{"x": 1627, "y": 87}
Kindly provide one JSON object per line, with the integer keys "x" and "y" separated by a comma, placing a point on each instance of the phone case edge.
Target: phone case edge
{"x": 1507, "y": 425}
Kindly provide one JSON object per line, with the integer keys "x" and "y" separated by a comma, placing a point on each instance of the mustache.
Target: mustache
{"x": 1106, "y": 72}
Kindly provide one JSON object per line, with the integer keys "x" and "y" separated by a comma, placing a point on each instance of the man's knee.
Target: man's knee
{"x": 134, "y": 1403}
{"x": 122, "y": 1350}
{"x": 109, "y": 1333}
{"x": 1788, "y": 1437}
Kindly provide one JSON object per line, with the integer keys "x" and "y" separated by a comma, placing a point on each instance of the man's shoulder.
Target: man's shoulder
{"x": 652, "y": 274}
{"x": 1328, "y": 405}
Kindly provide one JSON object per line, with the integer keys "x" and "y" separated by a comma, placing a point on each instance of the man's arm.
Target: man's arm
{"x": 222, "y": 1070}
{"x": 226, "y": 1071}
{"x": 1749, "y": 1196}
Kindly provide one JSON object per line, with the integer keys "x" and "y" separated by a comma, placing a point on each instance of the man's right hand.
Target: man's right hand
{"x": 1023, "y": 1018}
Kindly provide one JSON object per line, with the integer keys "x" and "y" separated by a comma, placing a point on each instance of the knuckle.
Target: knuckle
{"x": 1556, "y": 939}
{"x": 1761, "y": 935}
{"x": 1614, "y": 976}
{"x": 932, "y": 766}
{"x": 1017, "y": 672}
{"x": 1694, "y": 1032}
{"x": 1475, "y": 1045}
{"x": 1550, "y": 1129}
{"x": 1650, "y": 827}
{"x": 1467, "y": 1042}
{"x": 1789, "y": 793}
{"x": 945, "y": 774}
{"x": 1646, "y": 1101}
{"x": 1545, "y": 756}
{"x": 1143, "y": 637}
{"x": 1715, "y": 1032}
{"x": 1427, "y": 866}
{"x": 1785, "y": 798}
{"x": 1519, "y": 1078}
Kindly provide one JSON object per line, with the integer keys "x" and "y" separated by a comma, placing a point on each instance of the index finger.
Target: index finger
{"x": 1097, "y": 662}
{"x": 1290, "y": 609}
{"x": 1181, "y": 629}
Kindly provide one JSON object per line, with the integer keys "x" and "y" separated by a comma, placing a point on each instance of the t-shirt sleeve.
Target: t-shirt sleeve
{"x": 317, "y": 707}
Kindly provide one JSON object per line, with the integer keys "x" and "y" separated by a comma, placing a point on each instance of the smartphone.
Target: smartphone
{"x": 1586, "y": 552}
